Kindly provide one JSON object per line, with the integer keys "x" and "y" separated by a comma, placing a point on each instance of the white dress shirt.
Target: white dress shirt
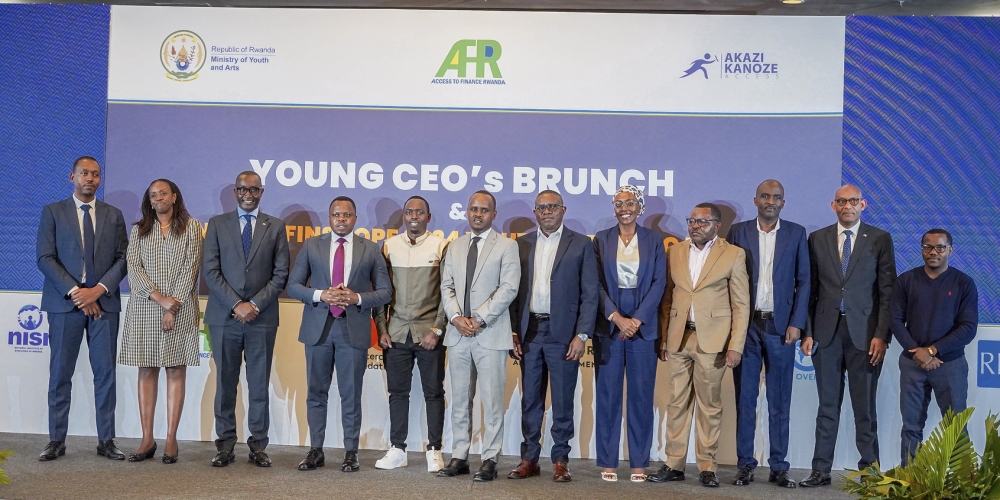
{"x": 765, "y": 280}
{"x": 841, "y": 237}
{"x": 93, "y": 220}
{"x": 696, "y": 261}
{"x": 253, "y": 219}
{"x": 545, "y": 258}
{"x": 348, "y": 254}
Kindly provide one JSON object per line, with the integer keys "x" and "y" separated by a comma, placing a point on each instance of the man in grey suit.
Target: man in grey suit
{"x": 246, "y": 267}
{"x": 853, "y": 270}
{"x": 478, "y": 283}
{"x": 347, "y": 278}
{"x": 81, "y": 252}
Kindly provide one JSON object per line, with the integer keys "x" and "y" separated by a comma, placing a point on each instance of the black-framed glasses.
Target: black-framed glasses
{"x": 252, "y": 190}
{"x": 548, "y": 207}
{"x": 936, "y": 248}
{"x": 844, "y": 201}
{"x": 626, "y": 204}
{"x": 701, "y": 222}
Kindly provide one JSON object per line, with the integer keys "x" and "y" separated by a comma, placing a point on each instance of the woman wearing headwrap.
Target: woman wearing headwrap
{"x": 633, "y": 277}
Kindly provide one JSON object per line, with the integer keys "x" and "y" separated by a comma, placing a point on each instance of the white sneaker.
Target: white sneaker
{"x": 395, "y": 457}
{"x": 435, "y": 461}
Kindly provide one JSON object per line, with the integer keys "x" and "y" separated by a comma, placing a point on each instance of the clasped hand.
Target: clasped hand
{"x": 626, "y": 326}
{"x": 86, "y": 300}
{"x": 466, "y": 326}
{"x": 922, "y": 356}
{"x": 339, "y": 296}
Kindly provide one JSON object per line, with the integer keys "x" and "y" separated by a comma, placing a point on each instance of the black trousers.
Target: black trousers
{"x": 398, "y": 362}
{"x": 231, "y": 345}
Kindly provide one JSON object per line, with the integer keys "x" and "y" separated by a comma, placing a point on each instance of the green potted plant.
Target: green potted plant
{"x": 4, "y": 478}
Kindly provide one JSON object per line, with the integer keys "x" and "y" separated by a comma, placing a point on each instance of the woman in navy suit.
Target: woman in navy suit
{"x": 633, "y": 277}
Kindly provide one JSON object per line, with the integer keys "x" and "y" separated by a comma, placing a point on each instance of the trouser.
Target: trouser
{"x": 470, "y": 363}
{"x": 695, "y": 390}
{"x": 335, "y": 350}
{"x": 543, "y": 361}
{"x": 398, "y": 363}
{"x": 950, "y": 384}
{"x": 231, "y": 344}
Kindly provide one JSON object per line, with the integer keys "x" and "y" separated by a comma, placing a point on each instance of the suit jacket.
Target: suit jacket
{"x": 369, "y": 279}
{"x": 871, "y": 274}
{"x": 494, "y": 287}
{"x": 231, "y": 278}
{"x": 573, "y": 285}
{"x": 652, "y": 281}
{"x": 59, "y": 252}
{"x": 721, "y": 298}
{"x": 790, "y": 277}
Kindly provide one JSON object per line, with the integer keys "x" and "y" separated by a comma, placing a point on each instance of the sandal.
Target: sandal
{"x": 638, "y": 478}
{"x": 609, "y": 476}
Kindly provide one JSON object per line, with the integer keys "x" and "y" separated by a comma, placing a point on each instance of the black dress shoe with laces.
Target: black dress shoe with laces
{"x": 487, "y": 471}
{"x": 110, "y": 449}
{"x": 816, "y": 478}
{"x": 666, "y": 474}
{"x": 315, "y": 458}
{"x": 456, "y": 467}
{"x": 744, "y": 477}
{"x": 709, "y": 479}
{"x": 223, "y": 458}
{"x": 351, "y": 463}
{"x": 52, "y": 451}
{"x": 260, "y": 459}
{"x": 781, "y": 478}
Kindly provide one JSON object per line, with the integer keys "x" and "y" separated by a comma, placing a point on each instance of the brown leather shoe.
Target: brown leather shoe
{"x": 560, "y": 473}
{"x": 524, "y": 470}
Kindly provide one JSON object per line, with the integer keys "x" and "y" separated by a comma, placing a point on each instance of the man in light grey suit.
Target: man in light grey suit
{"x": 478, "y": 283}
{"x": 246, "y": 267}
{"x": 347, "y": 278}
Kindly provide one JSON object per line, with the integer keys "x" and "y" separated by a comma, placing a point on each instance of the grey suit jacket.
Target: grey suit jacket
{"x": 59, "y": 253}
{"x": 369, "y": 279}
{"x": 494, "y": 287}
{"x": 231, "y": 278}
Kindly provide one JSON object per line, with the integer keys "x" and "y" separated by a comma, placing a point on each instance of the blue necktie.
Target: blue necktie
{"x": 247, "y": 236}
{"x": 845, "y": 258}
{"x": 88, "y": 248}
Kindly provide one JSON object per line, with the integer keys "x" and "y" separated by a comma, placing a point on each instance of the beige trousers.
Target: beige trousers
{"x": 695, "y": 385}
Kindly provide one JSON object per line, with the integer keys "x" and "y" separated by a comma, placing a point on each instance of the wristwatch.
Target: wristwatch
{"x": 437, "y": 331}
{"x": 932, "y": 351}
{"x": 481, "y": 321}
{"x": 583, "y": 337}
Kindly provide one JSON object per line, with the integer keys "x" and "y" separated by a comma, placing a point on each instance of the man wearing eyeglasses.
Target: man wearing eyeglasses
{"x": 552, "y": 318}
{"x": 852, "y": 270}
{"x": 246, "y": 267}
{"x": 935, "y": 314}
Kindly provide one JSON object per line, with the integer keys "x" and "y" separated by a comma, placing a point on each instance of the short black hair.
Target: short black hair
{"x": 549, "y": 191}
{"x": 937, "y": 230}
{"x": 487, "y": 193}
{"x": 421, "y": 198}
{"x": 716, "y": 212}
{"x": 347, "y": 199}
{"x": 248, "y": 173}
{"x": 83, "y": 158}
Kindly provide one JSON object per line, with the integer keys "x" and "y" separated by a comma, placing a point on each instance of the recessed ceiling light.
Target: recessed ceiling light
{"x": 792, "y": 2}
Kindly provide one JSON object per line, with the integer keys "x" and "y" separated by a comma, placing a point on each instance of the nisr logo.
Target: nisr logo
{"x": 486, "y": 54}
{"x": 27, "y": 338}
{"x": 989, "y": 363}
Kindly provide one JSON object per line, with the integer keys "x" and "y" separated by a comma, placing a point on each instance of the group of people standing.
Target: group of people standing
{"x": 704, "y": 305}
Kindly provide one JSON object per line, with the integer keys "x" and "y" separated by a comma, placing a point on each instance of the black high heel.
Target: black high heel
{"x": 139, "y": 457}
{"x": 169, "y": 459}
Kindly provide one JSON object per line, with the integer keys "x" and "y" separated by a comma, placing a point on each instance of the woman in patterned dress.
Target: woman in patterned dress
{"x": 161, "y": 321}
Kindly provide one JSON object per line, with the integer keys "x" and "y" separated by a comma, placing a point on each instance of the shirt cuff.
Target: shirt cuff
{"x": 71, "y": 290}
{"x": 359, "y": 297}
{"x": 317, "y": 296}
{"x": 106, "y": 291}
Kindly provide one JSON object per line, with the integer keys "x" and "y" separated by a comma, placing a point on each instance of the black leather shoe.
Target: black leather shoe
{"x": 487, "y": 471}
{"x": 223, "y": 458}
{"x": 666, "y": 474}
{"x": 816, "y": 478}
{"x": 709, "y": 479}
{"x": 351, "y": 463}
{"x": 169, "y": 459}
{"x": 52, "y": 451}
{"x": 781, "y": 479}
{"x": 456, "y": 467}
{"x": 744, "y": 477}
{"x": 315, "y": 458}
{"x": 109, "y": 449}
{"x": 139, "y": 457}
{"x": 260, "y": 459}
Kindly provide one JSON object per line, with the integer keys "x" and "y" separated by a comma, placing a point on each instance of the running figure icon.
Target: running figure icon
{"x": 699, "y": 65}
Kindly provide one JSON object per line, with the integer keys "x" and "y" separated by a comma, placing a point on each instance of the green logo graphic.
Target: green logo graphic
{"x": 487, "y": 52}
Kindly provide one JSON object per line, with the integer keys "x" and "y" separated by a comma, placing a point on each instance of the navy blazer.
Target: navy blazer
{"x": 573, "y": 286}
{"x": 652, "y": 280}
{"x": 791, "y": 270}
{"x": 59, "y": 252}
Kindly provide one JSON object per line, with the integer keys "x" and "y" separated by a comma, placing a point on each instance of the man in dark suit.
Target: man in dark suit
{"x": 81, "y": 252}
{"x": 347, "y": 278}
{"x": 778, "y": 263}
{"x": 246, "y": 267}
{"x": 552, "y": 318}
{"x": 853, "y": 270}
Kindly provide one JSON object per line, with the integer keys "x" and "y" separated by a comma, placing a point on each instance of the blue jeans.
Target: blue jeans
{"x": 950, "y": 384}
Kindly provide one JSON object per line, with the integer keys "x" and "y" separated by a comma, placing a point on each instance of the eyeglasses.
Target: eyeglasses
{"x": 701, "y": 222}
{"x": 252, "y": 190}
{"x": 937, "y": 248}
{"x": 844, "y": 201}
{"x": 626, "y": 204}
{"x": 549, "y": 207}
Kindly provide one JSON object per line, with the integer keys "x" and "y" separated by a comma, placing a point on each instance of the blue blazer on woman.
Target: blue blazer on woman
{"x": 651, "y": 283}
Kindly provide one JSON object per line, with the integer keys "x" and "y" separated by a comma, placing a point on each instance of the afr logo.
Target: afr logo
{"x": 989, "y": 363}
{"x": 487, "y": 53}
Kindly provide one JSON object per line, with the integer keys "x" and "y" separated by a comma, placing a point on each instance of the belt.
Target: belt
{"x": 540, "y": 317}
{"x": 764, "y": 315}
{"x": 689, "y": 325}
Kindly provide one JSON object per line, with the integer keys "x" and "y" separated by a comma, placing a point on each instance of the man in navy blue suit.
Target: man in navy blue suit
{"x": 778, "y": 260}
{"x": 552, "y": 319}
{"x": 81, "y": 251}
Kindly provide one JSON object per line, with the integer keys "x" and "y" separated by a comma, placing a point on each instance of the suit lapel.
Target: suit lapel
{"x": 860, "y": 245}
{"x": 780, "y": 242}
{"x": 484, "y": 252}
{"x": 611, "y": 256}
{"x": 461, "y": 253}
{"x": 831, "y": 241}
{"x": 357, "y": 253}
{"x": 532, "y": 246}
{"x": 263, "y": 221}
{"x": 564, "y": 242}
{"x": 325, "y": 243}
{"x": 683, "y": 276}
{"x": 713, "y": 257}
{"x": 752, "y": 237}
{"x": 70, "y": 211}
{"x": 101, "y": 219}
{"x": 234, "y": 229}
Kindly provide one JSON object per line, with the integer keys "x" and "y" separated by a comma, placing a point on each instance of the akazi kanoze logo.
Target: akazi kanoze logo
{"x": 734, "y": 65}
{"x": 183, "y": 54}
{"x": 28, "y": 339}
{"x": 485, "y": 55}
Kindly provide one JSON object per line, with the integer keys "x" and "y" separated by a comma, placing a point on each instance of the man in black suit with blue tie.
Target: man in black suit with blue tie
{"x": 246, "y": 267}
{"x": 81, "y": 252}
{"x": 552, "y": 319}
{"x": 340, "y": 277}
{"x": 778, "y": 261}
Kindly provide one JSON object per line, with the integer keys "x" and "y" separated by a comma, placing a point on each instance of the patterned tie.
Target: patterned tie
{"x": 470, "y": 272}
{"x": 88, "y": 248}
{"x": 247, "y": 235}
{"x": 845, "y": 258}
{"x": 338, "y": 273}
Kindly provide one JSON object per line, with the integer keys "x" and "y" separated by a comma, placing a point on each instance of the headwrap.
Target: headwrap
{"x": 628, "y": 188}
